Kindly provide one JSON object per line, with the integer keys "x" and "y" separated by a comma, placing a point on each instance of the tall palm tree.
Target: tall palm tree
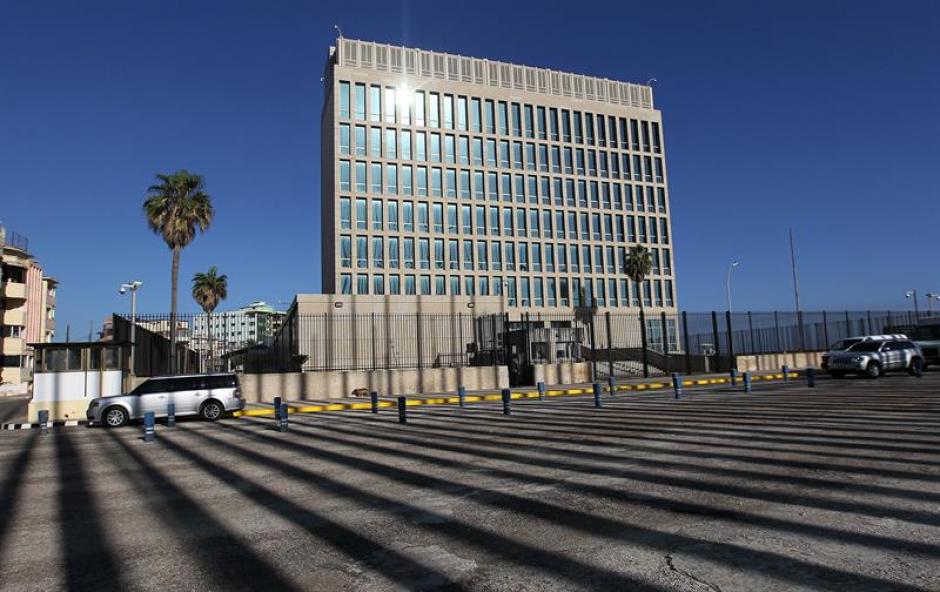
{"x": 209, "y": 289}
{"x": 638, "y": 264}
{"x": 175, "y": 208}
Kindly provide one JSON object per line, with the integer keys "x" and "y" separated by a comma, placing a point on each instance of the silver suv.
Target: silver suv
{"x": 874, "y": 358}
{"x": 207, "y": 395}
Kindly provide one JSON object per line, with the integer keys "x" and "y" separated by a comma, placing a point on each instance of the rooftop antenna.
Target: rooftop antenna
{"x": 651, "y": 81}
{"x": 339, "y": 32}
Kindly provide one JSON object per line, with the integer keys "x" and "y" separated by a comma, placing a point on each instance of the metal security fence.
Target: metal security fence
{"x": 616, "y": 344}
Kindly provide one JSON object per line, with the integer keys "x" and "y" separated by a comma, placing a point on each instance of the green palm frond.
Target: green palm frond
{"x": 209, "y": 289}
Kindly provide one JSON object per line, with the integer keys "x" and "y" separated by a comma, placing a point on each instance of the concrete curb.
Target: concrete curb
{"x": 524, "y": 394}
{"x": 69, "y": 423}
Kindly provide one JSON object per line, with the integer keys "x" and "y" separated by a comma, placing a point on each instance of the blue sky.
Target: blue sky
{"x": 818, "y": 115}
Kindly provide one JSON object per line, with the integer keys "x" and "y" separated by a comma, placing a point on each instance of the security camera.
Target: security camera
{"x": 123, "y": 290}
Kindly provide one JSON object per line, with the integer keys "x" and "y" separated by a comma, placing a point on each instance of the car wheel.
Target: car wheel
{"x": 916, "y": 367}
{"x": 836, "y": 374}
{"x": 873, "y": 370}
{"x": 211, "y": 410}
{"x": 114, "y": 417}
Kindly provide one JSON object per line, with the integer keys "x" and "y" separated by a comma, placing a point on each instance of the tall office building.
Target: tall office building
{"x": 445, "y": 175}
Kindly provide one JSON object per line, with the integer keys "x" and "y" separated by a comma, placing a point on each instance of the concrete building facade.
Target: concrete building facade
{"x": 456, "y": 177}
{"x": 27, "y": 309}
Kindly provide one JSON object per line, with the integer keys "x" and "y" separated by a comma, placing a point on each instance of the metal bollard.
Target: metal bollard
{"x": 462, "y": 395}
{"x": 282, "y": 421}
{"x": 677, "y": 385}
{"x": 277, "y": 409}
{"x": 507, "y": 402}
{"x": 374, "y": 398}
{"x": 786, "y": 373}
{"x": 44, "y": 421}
{"x": 734, "y": 377}
{"x": 811, "y": 377}
{"x": 541, "y": 387}
{"x": 597, "y": 394}
{"x": 171, "y": 415}
{"x": 149, "y": 434}
{"x": 402, "y": 407}
{"x": 747, "y": 382}
{"x": 612, "y": 385}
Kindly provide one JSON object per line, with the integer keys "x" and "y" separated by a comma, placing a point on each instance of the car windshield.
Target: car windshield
{"x": 844, "y": 344}
{"x": 866, "y": 346}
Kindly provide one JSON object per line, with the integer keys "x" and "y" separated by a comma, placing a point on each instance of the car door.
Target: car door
{"x": 153, "y": 396}
{"x": 188, "y": 394}
{"x": 892, "y": 355}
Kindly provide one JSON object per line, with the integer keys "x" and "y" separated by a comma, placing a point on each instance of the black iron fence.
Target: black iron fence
{"x": 622, "y": 344}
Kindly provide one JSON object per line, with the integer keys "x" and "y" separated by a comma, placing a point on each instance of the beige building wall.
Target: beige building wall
{"x": 411, "y": 78}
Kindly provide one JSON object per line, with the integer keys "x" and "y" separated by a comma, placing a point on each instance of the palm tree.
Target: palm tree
{"x": 638, "y": 264}
{"x": 175, "y": 208}
{"x": 208, "y": 290}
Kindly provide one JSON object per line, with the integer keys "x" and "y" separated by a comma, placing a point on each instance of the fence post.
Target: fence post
{"x": 419, "y": 341}
{"x": 375, "y": 362}
{"x": 593, "y": 348}
{"x": 890, "y": 322}
{"x": 868, "y": 314}
{"x": 825, "y": 330}
{"x": 799, "y": 322}
{"x": 715, "y": 339}
{"x": 777, "y": 331}
{"x": 646, "y": 360}
{"x": 685, "y": 339}
{"x": 610, "y": 353}
{"x": 750, "y": 327}
{"x": 493, "y": 350}
{"x": 732, "y": 362}
{"x": 664, "y": 331}
{"x": 848, "y": 325}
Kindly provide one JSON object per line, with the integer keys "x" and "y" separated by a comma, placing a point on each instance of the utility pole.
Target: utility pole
{"x": 796, "y": 291}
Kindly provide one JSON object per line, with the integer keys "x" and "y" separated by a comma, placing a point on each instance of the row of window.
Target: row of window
{"x": 392, "y": 179}
{"x": 480, "y": 220}
{"x": 447, "y": 111}
{"x": 490, "y": 255}
{"x": 394, "y": 144}
{"x": 523, "y": 291}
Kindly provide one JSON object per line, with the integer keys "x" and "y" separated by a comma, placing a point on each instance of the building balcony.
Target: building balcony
{"x": 15, "y": 318}
{"x": 13, "y": 346}
{"x": 14, "y": 290}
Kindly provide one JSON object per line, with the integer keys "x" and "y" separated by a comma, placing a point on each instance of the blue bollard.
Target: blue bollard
{"x": 171, "y": 415}
{"x": 541, "y": 388}
{"x": 612, "y": 385}
{"x": 507, "y": 402}
{"x": 402, "y": 407}
{"x": 374, "y": 399}
{"x": 597, "y": 394}
{"x": 277, "y": 409}
{"x": 282, "y": 421}
{"x": 462, "y": 395}
{"x": 811, "y": 377}
{"x": 747, "y": 382}
{"x": 44, "y": 422}
{"x": 149, "y": 434}
{"x": 734, "y": 377}
{"x": 786, "y": 373}
{"x": 677, "y": 385}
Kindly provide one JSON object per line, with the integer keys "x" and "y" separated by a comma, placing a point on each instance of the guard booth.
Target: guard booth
{"x": 67, "y": 376}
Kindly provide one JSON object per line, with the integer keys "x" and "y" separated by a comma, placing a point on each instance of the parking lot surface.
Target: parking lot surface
{"x": 786, "y": 488}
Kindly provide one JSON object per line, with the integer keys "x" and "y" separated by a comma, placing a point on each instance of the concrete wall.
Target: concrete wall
{"x": 764, "y": 362}
{"x": 563, "y": 373}
{"x": 298, "y": 386}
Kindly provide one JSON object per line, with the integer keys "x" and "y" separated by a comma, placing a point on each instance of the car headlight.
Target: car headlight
{"x": 858, "y": 359}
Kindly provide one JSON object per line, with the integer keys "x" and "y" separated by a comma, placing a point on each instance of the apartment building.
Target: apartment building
{"x": 247, "y": 325}
{"x": 446, "y": 175}
{"x": 27, "y": 308}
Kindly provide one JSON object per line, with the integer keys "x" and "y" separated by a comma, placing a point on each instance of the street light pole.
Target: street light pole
{"x": 912, "y": 294}
{"x": 132, "y": 287}
{"x": 930, "y": 298}
{"x": 730, "y": 269}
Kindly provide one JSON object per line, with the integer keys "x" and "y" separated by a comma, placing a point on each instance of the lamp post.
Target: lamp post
{"x": 912, "y": 294}
{"x": 132, "y": 287}
{"x": 930, "y": 298}
{"x": 730, "y": 269}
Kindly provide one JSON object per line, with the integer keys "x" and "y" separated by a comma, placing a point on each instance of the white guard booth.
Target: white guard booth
{"x": 67, "y": 376}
